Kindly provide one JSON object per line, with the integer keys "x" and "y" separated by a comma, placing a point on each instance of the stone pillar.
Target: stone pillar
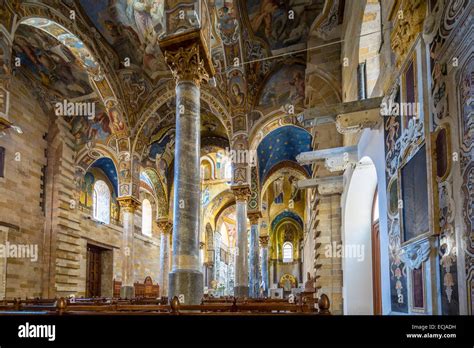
{"x": 241, "y": 288}
{"x": 264, "y": 266}
{"x": 128, "y": 205}
{"x": 165, "y": 241}
{"x": 254, "y": 268}
{"x": 186, "y": 278}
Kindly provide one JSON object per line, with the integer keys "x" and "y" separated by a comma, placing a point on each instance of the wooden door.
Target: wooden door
{"x": 377, "y": 296}
{"x": 94, "y": 270}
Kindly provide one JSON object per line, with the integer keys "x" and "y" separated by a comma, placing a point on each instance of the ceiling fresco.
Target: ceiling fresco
{"x": 282, "y": 144}
{"x": 50, "y": 64}
{"x": 272, "y": 21}
{"x": 285, "y": 86}
{"x": 132, "y": 28}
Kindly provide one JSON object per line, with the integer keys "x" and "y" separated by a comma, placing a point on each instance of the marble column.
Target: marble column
{"x": 241, "y": 286}
{"x": 186, "y": 279}
{"x": 254, "y": 259}
{"x": 128, "y": 205}
{"x": 264, "y": 265}
{"x": 165, "y": 241}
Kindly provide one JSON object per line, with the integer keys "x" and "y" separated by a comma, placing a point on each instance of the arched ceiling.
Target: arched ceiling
{"x": 282, "y": 144}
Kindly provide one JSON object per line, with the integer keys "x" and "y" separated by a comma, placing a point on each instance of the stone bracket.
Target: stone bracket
{"x": 336, "y": 159}
{"x": 326, "y": 186}
{"x": 311, "y": 116}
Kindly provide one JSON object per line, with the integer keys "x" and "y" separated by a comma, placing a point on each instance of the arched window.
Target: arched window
{"x": 287, "y": 252}
{"x": 101, "y": 202}
{"x": 147, "y": 217}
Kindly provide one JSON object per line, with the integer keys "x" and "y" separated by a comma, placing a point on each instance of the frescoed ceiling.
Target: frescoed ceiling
{"x": 49, "y": 64}
{"x": 282, "y": 144}
{"x": 132, "y": 28}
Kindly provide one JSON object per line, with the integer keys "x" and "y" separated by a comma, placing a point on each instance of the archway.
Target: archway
{"x": 356, "y": 248}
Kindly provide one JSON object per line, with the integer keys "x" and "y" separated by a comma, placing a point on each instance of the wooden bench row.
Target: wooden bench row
{"x": 63, "y": 306}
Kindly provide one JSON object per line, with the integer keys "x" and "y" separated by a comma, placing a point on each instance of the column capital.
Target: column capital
{"x": 264, "y": 241}
{"x": 164, "y": 225}
{"x": 242, "y": 193}
{"x": 254, "y": 217}
{"x": 186, "y": 64}
{"x": 128, "y": 203}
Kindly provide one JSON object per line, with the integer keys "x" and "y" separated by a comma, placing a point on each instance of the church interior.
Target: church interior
{"x": 308, "y": 156}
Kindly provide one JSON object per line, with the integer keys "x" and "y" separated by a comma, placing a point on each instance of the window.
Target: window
{"x": 147, "y": 217}
{"x": 101, "y": 202}
{"x": 287, "y": 252}
{"x": 227, "y": 169}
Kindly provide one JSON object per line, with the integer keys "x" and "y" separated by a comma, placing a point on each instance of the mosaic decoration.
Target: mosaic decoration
{"x": 161, "y": 151}
{"x": 282, "y": 144}
{"x": 286, "y": 215}
{"x": 108, "y": 167}
{"x": 445, "y": 19}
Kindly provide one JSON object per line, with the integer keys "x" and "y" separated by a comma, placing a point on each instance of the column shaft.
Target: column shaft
{"x": 185, "y": 278}
{"x": 241, "y": 288}
{"x": 264, "y": 265}
{"x": 164, "y": 260}
{"x": 254, "y": 261}
{"x": 128, "y": 206}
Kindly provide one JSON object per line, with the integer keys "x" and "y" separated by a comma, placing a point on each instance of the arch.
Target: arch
{"x": 282, "y": 144}
{"x": 101, "y": 202}
{"x": 370, "y": 40}
{"x": 207, "y": 168}
{"x": 357, "y": 239}
{"x": 85, "y": 49}
{"x": 147, "y": 218}
{"x": 109, "y": 169}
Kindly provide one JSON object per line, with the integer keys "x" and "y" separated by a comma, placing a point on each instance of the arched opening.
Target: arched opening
{"x": 147, "y": 217}
{"x": 356, "y": 248}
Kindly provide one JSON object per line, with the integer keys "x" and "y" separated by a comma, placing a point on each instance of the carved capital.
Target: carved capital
{"x": 264, "y": 241}
{"x": 186, "y": 64}
{"x": 128, "y": 204}
{"x": 242, "y": 193}
{"x": 254, "y": 217}
{"x": 164, "y": 225}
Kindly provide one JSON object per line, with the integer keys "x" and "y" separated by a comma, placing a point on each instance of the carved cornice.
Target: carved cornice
{"x": 254, "y": 217}
{"x": 128, "y": 203}
{"x": 264, "y": 241}
{"x": 408, "y": 16}
{"x": 241, "y": 193}
{"x": 186, "y": 64}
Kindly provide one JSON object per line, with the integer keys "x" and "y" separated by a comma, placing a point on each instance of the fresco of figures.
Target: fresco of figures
{"x": 132, "y": 27}
{"x": 271, "y": 21}
{"x": 46, "y": 61}
{"x": 286, "y": 86}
